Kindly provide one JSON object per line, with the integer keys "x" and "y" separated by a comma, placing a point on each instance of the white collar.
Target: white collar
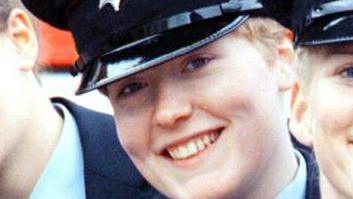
{"x": 63, "y": 176}
{"x": 297, "y": 188}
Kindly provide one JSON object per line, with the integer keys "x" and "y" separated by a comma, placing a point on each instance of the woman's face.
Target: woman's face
{"x": 204, "y": 125}
{"x": 331, "y": 109}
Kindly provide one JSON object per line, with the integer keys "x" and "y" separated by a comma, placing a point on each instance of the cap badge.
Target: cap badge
{"x": 114, "y": 3}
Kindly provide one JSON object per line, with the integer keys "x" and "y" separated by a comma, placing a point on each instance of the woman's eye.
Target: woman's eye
{"x": 131, "y": 88}
{"x": 196, "y": 63}
{"x": 347, "y": 72}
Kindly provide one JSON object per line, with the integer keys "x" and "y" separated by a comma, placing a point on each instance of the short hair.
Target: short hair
{"x": 306, "y": 56}
{"x": 265, "y": 33}
{"x": 305, "y": 68}
{"x": 5, "y": 8}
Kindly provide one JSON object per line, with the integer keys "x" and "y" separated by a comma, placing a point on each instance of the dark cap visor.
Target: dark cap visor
{"x": 328, "y": 23}
{"x": 328, "y": 30}
{"x": 154, "y": 50}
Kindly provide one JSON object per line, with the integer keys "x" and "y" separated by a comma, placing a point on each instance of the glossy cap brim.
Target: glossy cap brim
{"x": 154, "y": 50}
{"x": 334, "y": 29}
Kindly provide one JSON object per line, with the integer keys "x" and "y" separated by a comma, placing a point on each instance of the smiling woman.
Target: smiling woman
{"x": 186, "y": 131}
{"x": 198, "y": 92}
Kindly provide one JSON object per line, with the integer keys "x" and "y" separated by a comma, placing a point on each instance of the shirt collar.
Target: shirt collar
{"x": 63, "y": 176}
{"x": 297, "y": 188}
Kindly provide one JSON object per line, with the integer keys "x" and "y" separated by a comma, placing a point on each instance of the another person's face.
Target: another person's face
{"x": 15, "y": 54}
{"x": 329, "y": 98}
{"x": 204, "y": 125}
{"x": 9, "y": 93}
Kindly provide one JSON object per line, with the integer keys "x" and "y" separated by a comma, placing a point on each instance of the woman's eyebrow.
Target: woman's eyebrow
{"x": 340, "y": 49}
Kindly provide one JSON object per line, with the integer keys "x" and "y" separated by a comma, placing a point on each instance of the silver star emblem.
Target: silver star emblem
{"x": 114, "y": 3}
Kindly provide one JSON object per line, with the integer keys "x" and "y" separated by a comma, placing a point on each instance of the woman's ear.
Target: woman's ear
{"x": 23, "y": 36}
{"x": 300, "y": 120}
{"x": 285, "y": 61}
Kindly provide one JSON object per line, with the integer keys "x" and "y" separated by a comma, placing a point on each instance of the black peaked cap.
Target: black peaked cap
{"x": 92, "y": 25}
{"x": 315, "y": 22}
{"x": 281, "y": 10}
{"x": 133, "y": 29}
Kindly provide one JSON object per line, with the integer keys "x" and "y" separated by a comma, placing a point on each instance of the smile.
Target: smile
{"x": 193, "y": 146}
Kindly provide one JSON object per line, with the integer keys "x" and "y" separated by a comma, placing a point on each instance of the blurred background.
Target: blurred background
{"x": 56, "y": 56}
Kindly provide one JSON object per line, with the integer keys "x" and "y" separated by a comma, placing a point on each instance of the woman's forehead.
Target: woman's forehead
{"x": 341, "y": 49}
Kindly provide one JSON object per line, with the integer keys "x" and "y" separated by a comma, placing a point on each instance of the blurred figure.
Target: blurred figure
{"x": 323, "y": 100}
{"x": 56, "y": 56}
{"x": 198, "y": 91}
{"x": 52, "y": 149}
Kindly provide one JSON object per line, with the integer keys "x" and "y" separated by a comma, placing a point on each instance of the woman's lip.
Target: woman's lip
{"x": 192, "y": 160}
{"x": 187, "y": 139}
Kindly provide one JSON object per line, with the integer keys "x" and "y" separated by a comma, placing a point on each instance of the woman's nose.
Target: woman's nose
{"x": 172, "y": 106}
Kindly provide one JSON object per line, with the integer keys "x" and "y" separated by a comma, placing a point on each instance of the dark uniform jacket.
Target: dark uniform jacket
{"x": 312, "y": 180}
{"x": 109, "y": 173}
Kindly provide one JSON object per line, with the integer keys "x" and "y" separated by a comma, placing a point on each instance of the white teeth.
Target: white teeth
{"x": 192, "y": 147}
{"x": 206, "y": 140}
{"x": 183, "y": 152}
{"x": 200, "y": 145}
{"x": 171, "y": 153}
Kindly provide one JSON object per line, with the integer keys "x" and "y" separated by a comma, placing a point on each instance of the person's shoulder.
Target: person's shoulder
{"x": 109, "y": 172}
{"x": 82, "y": 113}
